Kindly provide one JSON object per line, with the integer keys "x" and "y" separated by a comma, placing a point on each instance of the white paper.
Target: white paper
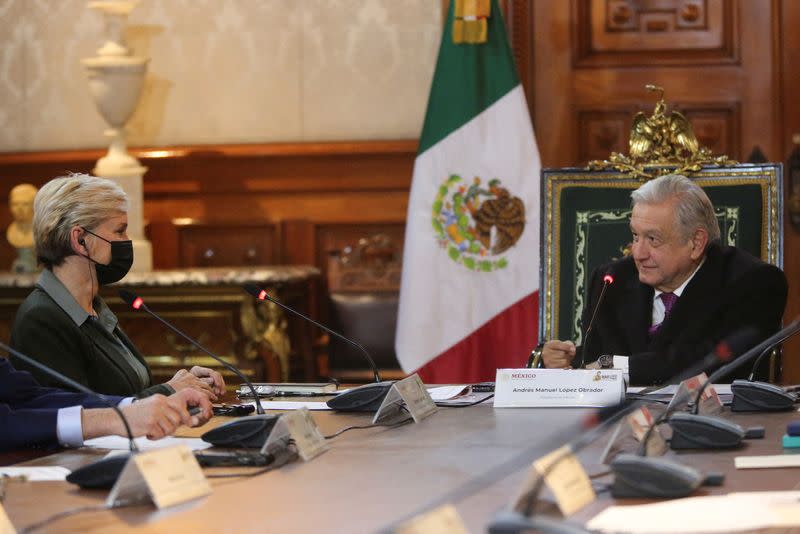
{"x": 36, "y": 474}
{"x": 721, "y": 513}
{"x": 290, "y": 405}
{"x": 763, "y": 462}
{"x": 144, "y": 444}
{"x": 722, "y": 389}
{"x": 446, "y": 392}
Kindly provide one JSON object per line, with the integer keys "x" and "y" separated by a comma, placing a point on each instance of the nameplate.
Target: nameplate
{"x": 566, "y": 478}
{"x": 442, "y": 520}
{"x": 409, "y": 393}
{"x": 640, "y": 422}
{"x": 5, "y": 523}
{"x": 710, "y": 403}
{"x": 166, "y": 477}
{"x": 526, "y": 388}
{"x": 300, "y": 427}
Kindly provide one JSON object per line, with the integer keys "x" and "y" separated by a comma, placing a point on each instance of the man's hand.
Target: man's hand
{"x": 558, "y": 354}
{"x": 184, "y": 379}
{"x": 156, "y": 416}
{"x": 210, "y": 377}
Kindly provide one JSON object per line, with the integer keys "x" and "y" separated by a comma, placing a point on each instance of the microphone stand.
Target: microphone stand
{"x": 607, "y": 281}
{"x": 261, "y": 294}
{"x": 755, "y": 396}
{"x": 137, "y": 303}
{"x": 366, "y": 398}
{"x": 762, "y": 348}
{"x": 246, "y": 432}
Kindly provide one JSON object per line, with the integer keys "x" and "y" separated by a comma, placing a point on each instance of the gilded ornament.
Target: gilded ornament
{"x": 663, "y": 143}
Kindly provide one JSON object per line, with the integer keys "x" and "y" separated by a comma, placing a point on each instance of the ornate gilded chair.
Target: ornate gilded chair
{"x": 364, "y": 287}
{"x": 585, "y": 212}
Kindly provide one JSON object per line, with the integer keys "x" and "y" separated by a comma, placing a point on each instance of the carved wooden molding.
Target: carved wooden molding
{"x": 645, "y": 33}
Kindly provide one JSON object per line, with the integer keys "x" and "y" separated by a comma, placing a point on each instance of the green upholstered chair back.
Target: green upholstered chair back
{"x": 584, "y": 224}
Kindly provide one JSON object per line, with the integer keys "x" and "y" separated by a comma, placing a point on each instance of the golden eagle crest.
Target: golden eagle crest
{"x": 663, "y": 143}
{"x": 476, "y": 224}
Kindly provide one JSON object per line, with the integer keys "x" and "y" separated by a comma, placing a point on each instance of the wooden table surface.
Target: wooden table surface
{"x": 475, "y": 458}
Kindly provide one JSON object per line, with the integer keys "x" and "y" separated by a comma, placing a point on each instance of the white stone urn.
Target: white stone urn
{"x": 115, "y": 82}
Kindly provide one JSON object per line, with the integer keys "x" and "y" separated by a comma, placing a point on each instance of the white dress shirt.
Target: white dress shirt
{"x": 68, "y": 424}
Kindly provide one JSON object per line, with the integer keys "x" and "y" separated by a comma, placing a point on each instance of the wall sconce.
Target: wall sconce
{"x": 793, "y": 165}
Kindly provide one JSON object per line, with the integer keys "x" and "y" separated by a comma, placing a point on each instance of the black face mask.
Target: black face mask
{"x": 120, "y": 264}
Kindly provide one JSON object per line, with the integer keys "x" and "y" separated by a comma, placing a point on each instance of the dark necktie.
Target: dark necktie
{"x": 669, "y": 300}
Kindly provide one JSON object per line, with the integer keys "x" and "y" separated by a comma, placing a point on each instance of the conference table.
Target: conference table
{"x": 371, "y": 480}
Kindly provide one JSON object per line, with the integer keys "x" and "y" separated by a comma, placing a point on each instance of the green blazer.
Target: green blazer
{"x": 87, "y": 353}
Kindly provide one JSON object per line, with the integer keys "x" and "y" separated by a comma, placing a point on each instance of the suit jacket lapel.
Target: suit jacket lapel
{"x": 636, "y": 313}
{"x": 698, "y": 299}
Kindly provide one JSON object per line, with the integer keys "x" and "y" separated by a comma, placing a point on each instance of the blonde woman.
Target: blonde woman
{"x": 80, "y": 237}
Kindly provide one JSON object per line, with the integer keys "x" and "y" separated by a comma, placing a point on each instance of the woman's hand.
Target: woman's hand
{"x": 183, "y": 379}
{"x": 210, "y": 377}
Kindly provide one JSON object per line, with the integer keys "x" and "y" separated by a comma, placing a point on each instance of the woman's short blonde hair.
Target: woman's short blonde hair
{"x": 69, "y": 201}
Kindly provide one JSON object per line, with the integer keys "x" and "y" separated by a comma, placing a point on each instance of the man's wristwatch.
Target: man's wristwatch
{"x": 535, "y": 358}
{"x": 606, "y": 361}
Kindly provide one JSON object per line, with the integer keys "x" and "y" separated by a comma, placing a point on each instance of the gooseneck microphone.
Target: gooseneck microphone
{"x": 749, "y": 395}
{"x": 755, "y": 396}
{"x": 366, "y": 398}
{"x": 261, "y": 294}
{"x": 103, "y": 473}
{"x": 247, "y": 432}
{"x": 685, "y": 426}
{"x": 608, "y": 279}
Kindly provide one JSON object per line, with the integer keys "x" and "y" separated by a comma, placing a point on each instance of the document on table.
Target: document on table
{"x": 36, "y": 474}
{"x": 290, "y": 405}
{"x": 441, "y": 393}
{"x": 720, "y": 513}
{"x": 144, "y": 444}
{"x": 722, "y": 389}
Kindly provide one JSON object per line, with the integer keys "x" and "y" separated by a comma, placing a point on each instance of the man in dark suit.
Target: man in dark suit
{"x": 35, "y": 416}
{"x": 679, "y": 292}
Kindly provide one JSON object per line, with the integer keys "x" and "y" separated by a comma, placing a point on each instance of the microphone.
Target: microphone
{"x": 103, "y": 473}
{"x": 634, "y": 476}
{"x": 365, "y": 398}
{"x": 720, "y": 430}
{"x": 247, "y": 432}
{"x": 608, "y": 279}
{"x": 754, "y": 396}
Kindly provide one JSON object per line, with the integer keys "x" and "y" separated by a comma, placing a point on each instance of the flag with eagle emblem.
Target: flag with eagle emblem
{"x": 468, "y": 297}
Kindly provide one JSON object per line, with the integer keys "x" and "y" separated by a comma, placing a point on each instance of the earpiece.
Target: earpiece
{"x": 82, "y": 241}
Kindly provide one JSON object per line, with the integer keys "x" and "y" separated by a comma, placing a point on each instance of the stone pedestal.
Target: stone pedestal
{"x": 115, "y": 81}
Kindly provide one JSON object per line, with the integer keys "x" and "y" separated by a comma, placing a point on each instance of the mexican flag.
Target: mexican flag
{"x": 468, "y": 297}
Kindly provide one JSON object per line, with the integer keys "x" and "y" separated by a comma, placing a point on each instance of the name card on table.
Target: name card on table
{"x": 5, "y": 523}
{"x": 565, "y": 477}
{"x": 300, "y": 427}
{"x": 640, "y": 422}
{"x": 411, "y": 393}
{"x": 441, "y": 520}
{"x": 166, "y": 476}
{"x": 710, "y": 403}
{"x": 532, "y": 388}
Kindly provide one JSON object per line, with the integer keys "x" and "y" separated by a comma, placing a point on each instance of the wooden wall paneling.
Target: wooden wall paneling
{"x": 669, "y": 32}
{"x": 789, "y": 44}
{"x": 345, "y": 181}
{"x": 226, "y": 243}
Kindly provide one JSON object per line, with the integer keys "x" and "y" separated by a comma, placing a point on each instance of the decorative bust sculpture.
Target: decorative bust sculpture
{"x": 20, "y": 231}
